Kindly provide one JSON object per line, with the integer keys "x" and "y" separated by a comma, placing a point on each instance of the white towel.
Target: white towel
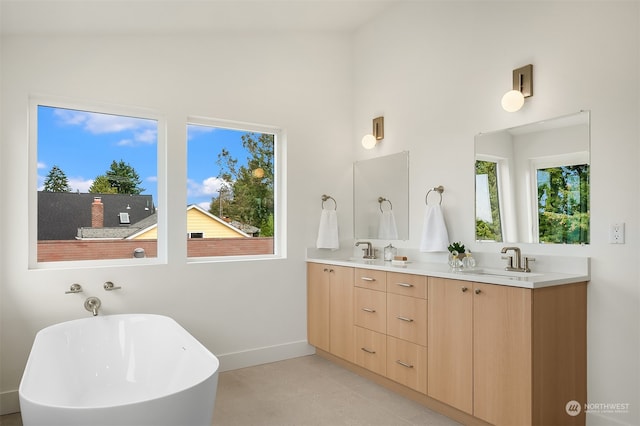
{"x": 328, "y": 230}
{"x": 387, "y": 229}
{"x": 434, "y": 233}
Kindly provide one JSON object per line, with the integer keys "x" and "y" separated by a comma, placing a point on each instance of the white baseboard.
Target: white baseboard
{"x": 9, "y": 402}
{"x": 264, "y": 355}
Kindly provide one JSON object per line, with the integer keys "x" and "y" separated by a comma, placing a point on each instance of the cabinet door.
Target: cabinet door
{"x": 371, "y": 350}
{"x": 407, "y": 363}
{"x": 407, "y": 318}
{"x": 341, "y": 332}
{"x": 450, "y": 342}
{"x": 407, "y": 284}
{"x": 371, "y": 309}
{"x": 502, "y": 354}
{"x": 370, "y": 278}
{"x": 318, "y": 305}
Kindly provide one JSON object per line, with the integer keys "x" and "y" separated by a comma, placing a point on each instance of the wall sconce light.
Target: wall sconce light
{"x": 370, "y": 141}
{"x": 513, "y": 100}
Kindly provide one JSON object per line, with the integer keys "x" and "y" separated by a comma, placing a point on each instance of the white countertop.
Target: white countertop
{"x": 480, "y": 274}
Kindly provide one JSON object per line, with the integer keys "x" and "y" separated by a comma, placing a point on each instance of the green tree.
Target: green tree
{"x": 56, "y": 181}
{"x": 124, "y": 178}
{"x": 247, "y": 192}
{"x": 486, "y": 231}
{"x": 563, "y": 204}
{"x": 101, "y": 185}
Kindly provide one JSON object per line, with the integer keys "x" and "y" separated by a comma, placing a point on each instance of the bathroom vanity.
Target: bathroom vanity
{"x": 482, "y": 347}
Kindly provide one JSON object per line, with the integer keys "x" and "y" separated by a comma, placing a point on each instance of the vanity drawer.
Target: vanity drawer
{"x": 407, "y": 284}
{"x": 407, "y": 364}
{"x": 407, "y": 318}
{"x": 371, "y": 350}
{"x": 370, "y": 278}
{"x": 370, "y": 309}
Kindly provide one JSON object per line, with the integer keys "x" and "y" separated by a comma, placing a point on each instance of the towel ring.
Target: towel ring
{"x": 382, "y": 200}
{"x": 329, "y": 197}
{"x": 438, "y": 189}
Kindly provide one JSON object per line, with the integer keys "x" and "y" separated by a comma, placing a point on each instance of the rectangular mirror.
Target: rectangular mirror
{"x": 532, "y": 182}
{"x": 381, "y": 197}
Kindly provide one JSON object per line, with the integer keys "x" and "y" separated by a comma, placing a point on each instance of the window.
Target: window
{"x": 97, "y": 190}
{"x": 232, "y": 178}
{"x": 563, "y": 204}
{"x": 488, "y": 220}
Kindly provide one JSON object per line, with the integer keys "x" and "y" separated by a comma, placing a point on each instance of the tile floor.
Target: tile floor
{"x": 306, "y": 391}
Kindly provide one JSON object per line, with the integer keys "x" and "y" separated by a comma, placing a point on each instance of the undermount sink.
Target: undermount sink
{"x": 500, "y": 273}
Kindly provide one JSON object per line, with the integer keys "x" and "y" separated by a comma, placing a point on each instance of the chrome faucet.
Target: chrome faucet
{"x": 92, "y": 304}
{"x": 515, "y": 262}
{"x": 368, "y": 252}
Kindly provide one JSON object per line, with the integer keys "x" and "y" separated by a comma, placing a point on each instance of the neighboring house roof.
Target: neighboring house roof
{"x": 118, "y": 233}
{"x": 211, "y": 225}
{"x": 61, "y": 214}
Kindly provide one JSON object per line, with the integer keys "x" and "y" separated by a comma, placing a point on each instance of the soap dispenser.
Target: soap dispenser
{"x": 468, "y": 262}
{"x": 390, "y": 252}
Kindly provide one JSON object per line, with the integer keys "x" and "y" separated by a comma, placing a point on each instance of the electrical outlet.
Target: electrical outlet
{"x": 616, "y": 233}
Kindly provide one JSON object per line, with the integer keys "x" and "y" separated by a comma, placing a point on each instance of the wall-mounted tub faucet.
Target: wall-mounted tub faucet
{"x": 109, "y": 286}
{"x": 92, "y": 304}
{"x": 75, "y": 288}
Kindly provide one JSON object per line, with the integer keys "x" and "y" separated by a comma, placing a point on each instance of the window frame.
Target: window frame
{"x": 279, "y": 186}
{"x": 32, "y": 205}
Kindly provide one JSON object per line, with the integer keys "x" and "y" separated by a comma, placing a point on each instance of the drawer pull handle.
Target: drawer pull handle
{"x": 367, "y": 279}
{"x": 478, "y": 291}
{"x": 404, "y": 364}
{"x": 405, "y": 319}
{"x": 464, "y": 289}
{"x": 405, "y": 284}
{"x": 368, "y": 310}
{"x": 369, "y": 351}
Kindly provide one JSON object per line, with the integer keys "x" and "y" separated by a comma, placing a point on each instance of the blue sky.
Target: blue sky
{"x": 83, "y": 144}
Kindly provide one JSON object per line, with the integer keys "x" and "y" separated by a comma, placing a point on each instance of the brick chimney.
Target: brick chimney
{"x": 97, "y": 213}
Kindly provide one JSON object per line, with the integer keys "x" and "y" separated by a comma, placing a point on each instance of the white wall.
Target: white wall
{"x": 246, "y": 313}
{"x": 437, "y": 71}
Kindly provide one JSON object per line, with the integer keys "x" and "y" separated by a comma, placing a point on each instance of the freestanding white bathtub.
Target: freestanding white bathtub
{"x": 114, "y": 370}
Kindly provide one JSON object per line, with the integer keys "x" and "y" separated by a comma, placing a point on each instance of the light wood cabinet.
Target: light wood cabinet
{"x": 371, "y": 350}
{"x": 371, "y": 279}
{"x": 370, "y": 309}
{"x": 500, "y": 353}
{"x": 407, "y": 318}
{"x": 330, "y": 309}
{"x": 407, "y": 363}
{"x": 476, "y": 352}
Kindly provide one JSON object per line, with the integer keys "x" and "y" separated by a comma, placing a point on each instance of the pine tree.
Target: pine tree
{"x": 101, "y": 185}
{"x": 56, "y": 181}
{"x": 124, "y": 178}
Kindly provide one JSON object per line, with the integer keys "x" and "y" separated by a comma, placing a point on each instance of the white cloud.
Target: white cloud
{"x": 80, "y": 184}
{"x": 205, "y": 205}
{"x": 97, "y": 123}
{"x": 41, "y": 165}
{"x": 208, "y": 187}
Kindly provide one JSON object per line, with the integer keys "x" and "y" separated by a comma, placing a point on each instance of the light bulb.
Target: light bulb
{"x": 512, "y": 101}
{"x": 369, "y": 141}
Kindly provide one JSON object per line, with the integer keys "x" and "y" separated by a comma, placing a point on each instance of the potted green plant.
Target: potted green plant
{"x": 458, "y": 247}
